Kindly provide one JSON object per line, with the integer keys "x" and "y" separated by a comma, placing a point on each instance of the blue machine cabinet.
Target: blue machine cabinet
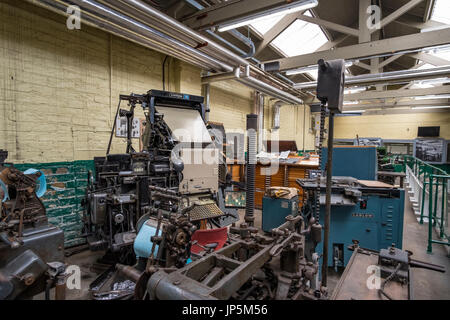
{"x": 275, "y": 210}
{"x": 377, "y": 226}
{"x": 357, "y": 162}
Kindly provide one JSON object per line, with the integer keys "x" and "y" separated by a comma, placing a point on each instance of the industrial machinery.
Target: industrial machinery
{"x": 31, "y": 249}
{"x": 359, "y": 162}
{"x": 280, "y": 265}
{"x": 392, "y": 274}
{"x": 369, "y": 211}
{"x": 330, "y": 92}
{"x": 177, "y": 171}
{"x": 277, "y": 204}
{"x": 250, "y": 267}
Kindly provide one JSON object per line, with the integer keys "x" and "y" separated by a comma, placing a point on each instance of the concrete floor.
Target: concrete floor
{"x": 426, "y": 284}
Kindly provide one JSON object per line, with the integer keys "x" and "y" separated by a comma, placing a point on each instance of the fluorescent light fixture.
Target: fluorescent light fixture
{"x": 273, "y": 12}
{"x": 433, "y": 81}
{"x": 354, "y": 90}
{"x": 430, "y": 107}
{"x": 310, "y": 68}
{"x": 441, "y": 96}
{"x": 351, "y": 102}
{"x": 353, "y": 111}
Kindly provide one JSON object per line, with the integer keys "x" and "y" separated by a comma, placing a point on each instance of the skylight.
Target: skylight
{"x": 441, "y": 11}
{"x": 265, "y": 25}
{"x": 444, "y": 54}
{"x": 421, "y": 84}
{"x": 300, "y": 38}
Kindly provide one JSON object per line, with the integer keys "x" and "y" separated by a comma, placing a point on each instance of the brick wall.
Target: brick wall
{"x": 66, "y": 187}
{"x": 60, "y": 88}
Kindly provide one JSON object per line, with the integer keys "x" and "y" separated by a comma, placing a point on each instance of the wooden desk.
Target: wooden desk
{"x": 282, "y": 175}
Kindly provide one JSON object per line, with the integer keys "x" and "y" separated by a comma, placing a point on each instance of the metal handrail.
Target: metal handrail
{"x": 436, "y": 180}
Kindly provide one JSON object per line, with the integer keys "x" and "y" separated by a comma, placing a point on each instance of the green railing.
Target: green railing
{"x": 434, "y": 181}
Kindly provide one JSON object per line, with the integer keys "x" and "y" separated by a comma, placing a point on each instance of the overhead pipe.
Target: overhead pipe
{"x": 173, "y": 23}
{"x": 152, "y": 34}
{"x": 239, "y": 36}
{"x": 267, "y": 89}
{"x": 221, "y": 76}
{"x": 147, "y": 19}
{"x": 258, "y": 85}
{"x": 367, "y": 79}
{"x": 119, "y": 24}
{"x": 60, "y": 7}
{"x": 248, "y": 42}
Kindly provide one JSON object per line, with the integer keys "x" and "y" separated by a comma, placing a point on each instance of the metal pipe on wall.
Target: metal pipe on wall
{"x": 260, "y": 123}
{"x": 172, "y": 23}
{"x": 60, "y": 7}
{"x": 150, "y": 38}
{"x": 258, "y": 85}
{"x": 152, "y": 34}
{"x": 270, "y": 90}
{"x": 115, "y": 22}
{"x": 206, "y": 90}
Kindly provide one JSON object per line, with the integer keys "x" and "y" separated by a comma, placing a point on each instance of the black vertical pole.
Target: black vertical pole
{"x": 328, "y": 199}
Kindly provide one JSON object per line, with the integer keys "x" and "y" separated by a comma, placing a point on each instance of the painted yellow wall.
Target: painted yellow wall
{"x": 295, "y": 125}
{"x": 59, "y": 89}
{"x": 393, "y": 126}
{"x": 230, "y": 102}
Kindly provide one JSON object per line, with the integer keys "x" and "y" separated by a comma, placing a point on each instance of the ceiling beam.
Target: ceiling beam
{"x": 367, "y": 49}
{"x": 367, "y": 95}
{"x": 429, "y": 25}
{"x": 397, "y": 13}
{"x": 415, "y": 103}
{"x": 330, "y": 25}
{"x": 364, "y": 32}
{"x": 389, "y": 60}
{"x": 430, "y": 59}
{"x": 275, "y": 31}
{"x": 333, "y": 43}
{"x": 363, "y": 65}
{"x": 402, "y": 111}
{"x": 229, "y": 11}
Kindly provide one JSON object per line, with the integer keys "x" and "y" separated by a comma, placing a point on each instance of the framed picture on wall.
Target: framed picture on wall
{"x": 378, "y": 142}
{"x": 431, "y": 150}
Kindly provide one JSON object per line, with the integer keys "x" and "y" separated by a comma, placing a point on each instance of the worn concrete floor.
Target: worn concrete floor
{"x": 426, "y": 284}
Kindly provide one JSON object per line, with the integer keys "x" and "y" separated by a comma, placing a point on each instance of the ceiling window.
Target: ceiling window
{"x": 300, "y": 38}
{"x": 441, "y": 11}
{"x": 265, "y": 25}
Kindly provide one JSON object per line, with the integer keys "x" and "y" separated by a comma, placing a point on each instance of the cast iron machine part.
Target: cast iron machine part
{"x": 29, "y": 245}
{"x": 251, "y": 267}
{"x": 330, "y": 92}
{"x": 395, "y": 265}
